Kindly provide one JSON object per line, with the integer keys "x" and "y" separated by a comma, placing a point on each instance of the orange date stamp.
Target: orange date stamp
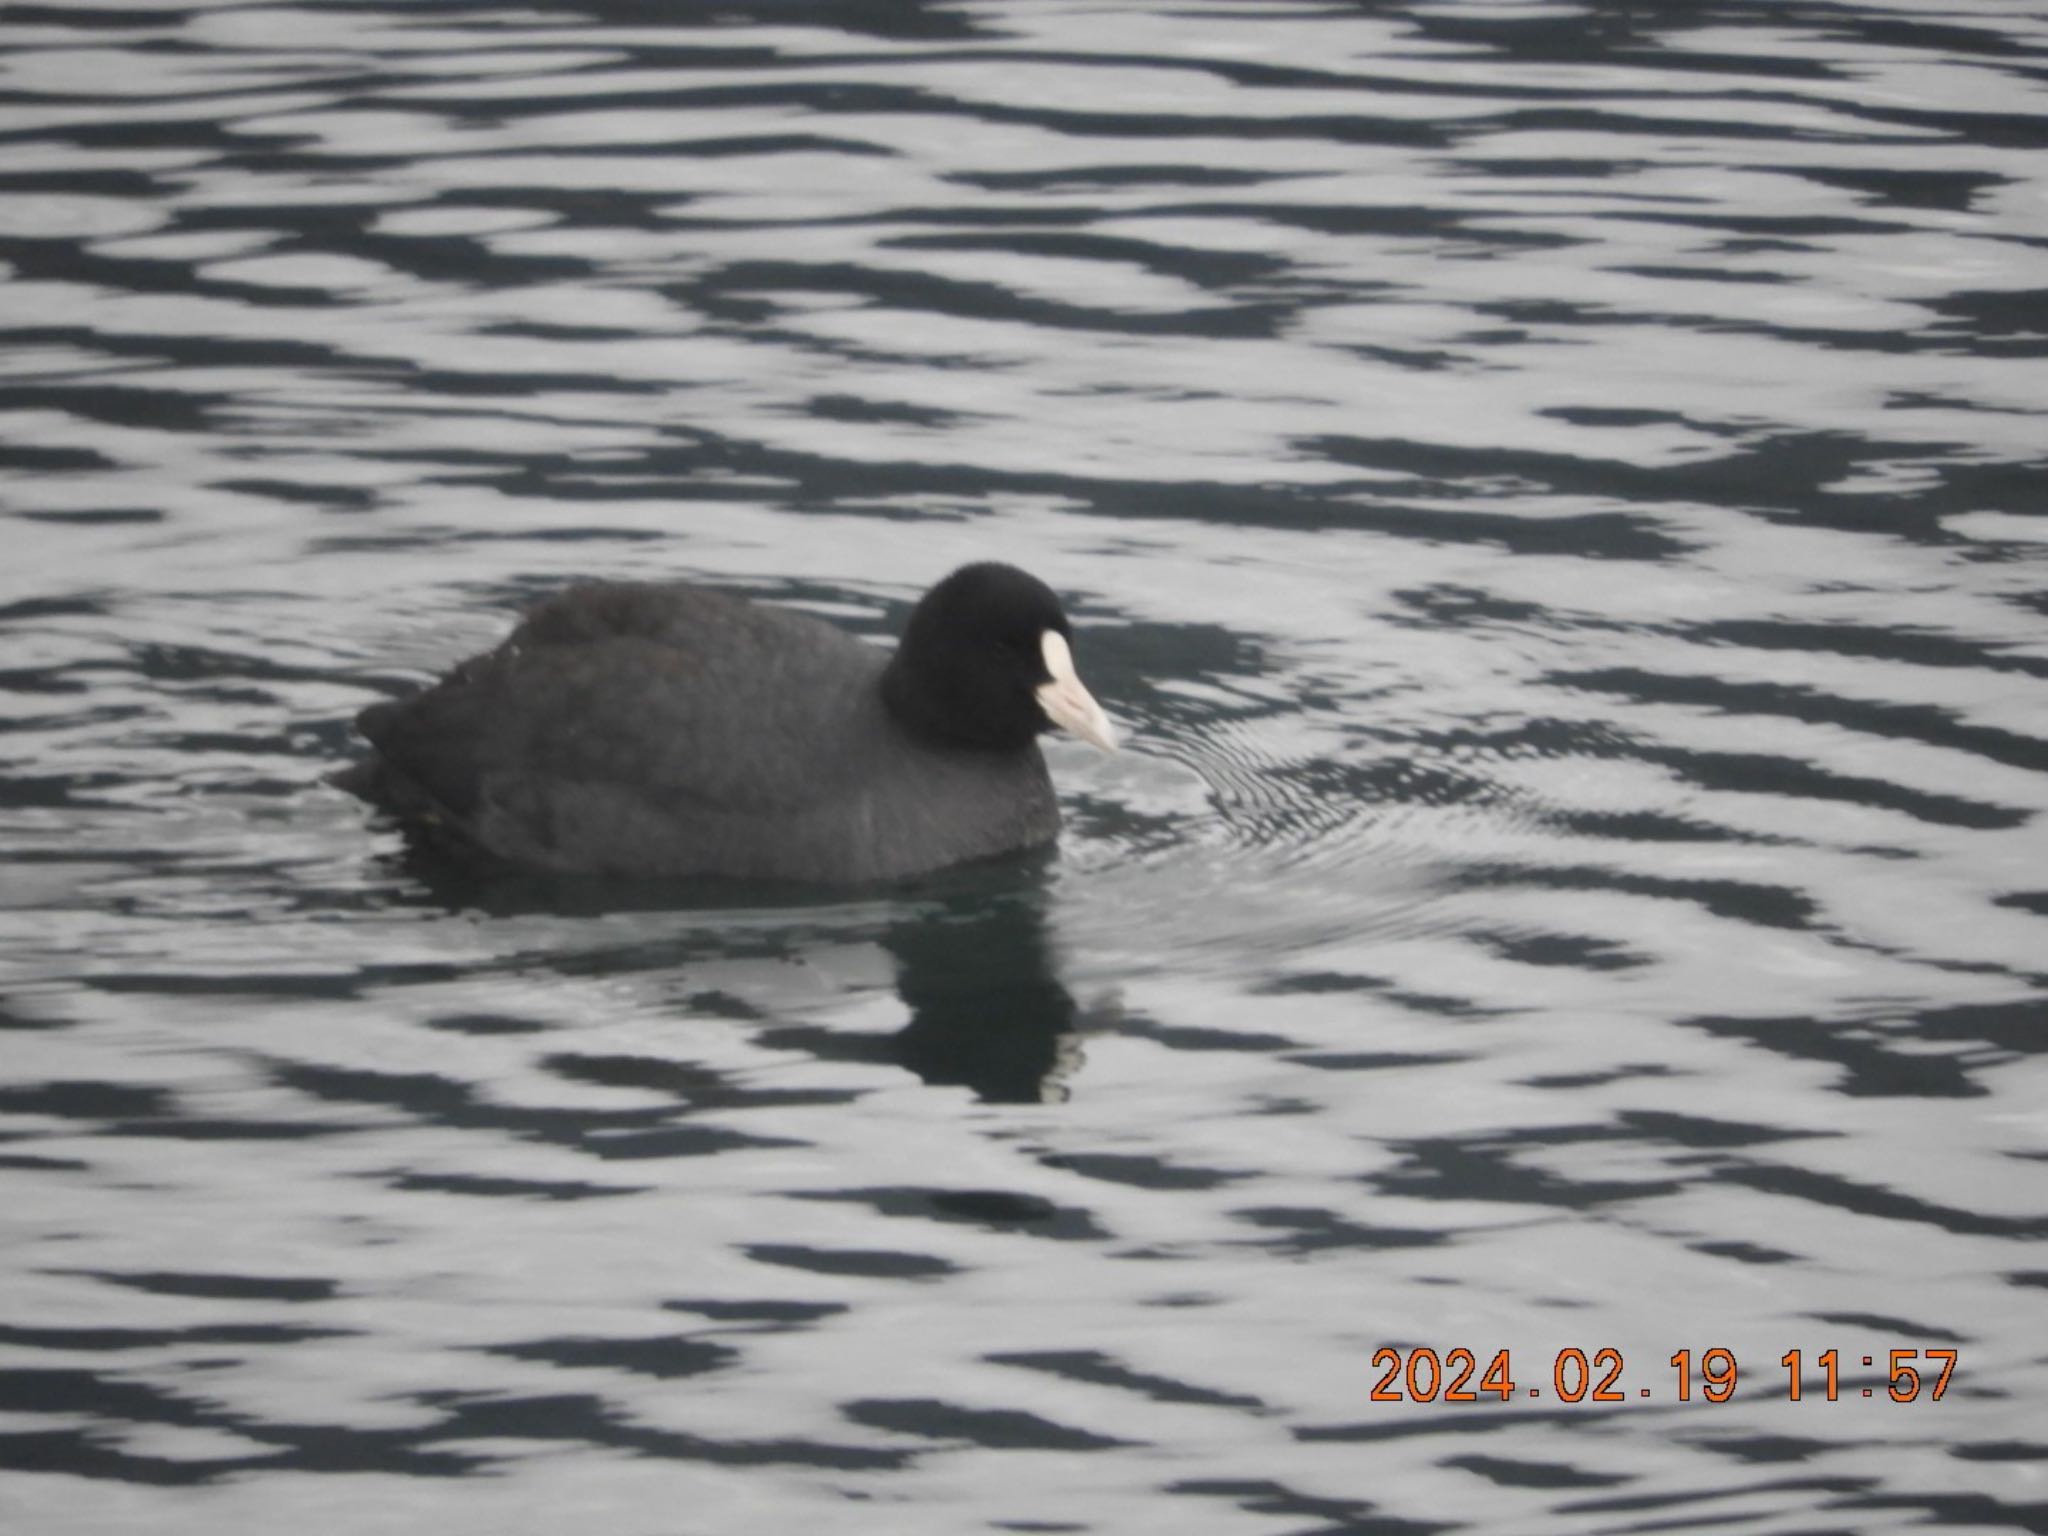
{"x": 1421, "y": 1375}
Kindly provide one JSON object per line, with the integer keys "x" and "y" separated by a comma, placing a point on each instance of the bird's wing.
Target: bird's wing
{"x": 681, "y": 697}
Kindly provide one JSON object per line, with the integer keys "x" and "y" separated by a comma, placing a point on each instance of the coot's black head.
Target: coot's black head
{"x": 986, "y": 661}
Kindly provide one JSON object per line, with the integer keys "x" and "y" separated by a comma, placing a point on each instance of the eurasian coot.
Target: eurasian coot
{"x": 643, "y": 729}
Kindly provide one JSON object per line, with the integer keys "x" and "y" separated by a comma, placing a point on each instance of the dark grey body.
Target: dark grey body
{"x": 669, "y": 730}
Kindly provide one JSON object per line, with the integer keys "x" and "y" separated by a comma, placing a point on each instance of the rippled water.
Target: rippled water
{"x": 1553, "y": 492}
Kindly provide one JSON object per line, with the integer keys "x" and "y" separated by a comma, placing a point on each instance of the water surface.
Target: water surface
{"x": 1553, "y": 494}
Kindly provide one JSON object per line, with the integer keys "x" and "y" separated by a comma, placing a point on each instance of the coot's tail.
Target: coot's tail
{"x": 368, "y": 779}
{"x": 365, "y": 780}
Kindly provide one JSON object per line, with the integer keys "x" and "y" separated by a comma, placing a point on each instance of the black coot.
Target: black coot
{"x": 640, "y": 729}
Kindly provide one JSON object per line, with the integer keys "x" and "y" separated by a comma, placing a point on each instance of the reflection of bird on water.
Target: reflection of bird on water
{"x": 987, "y": 1008}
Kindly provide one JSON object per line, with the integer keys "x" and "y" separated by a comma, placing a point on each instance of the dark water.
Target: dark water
{"x": 1555, "y": 496}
